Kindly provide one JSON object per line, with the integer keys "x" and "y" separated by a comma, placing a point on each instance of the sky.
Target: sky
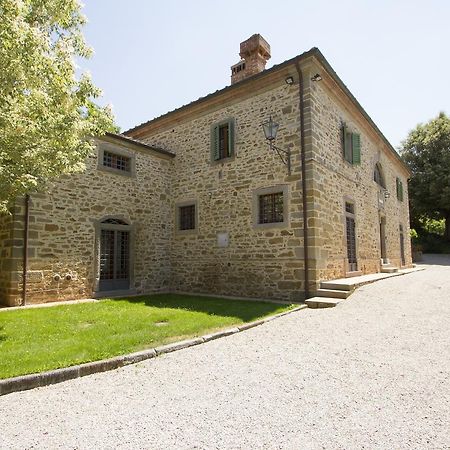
{"x": 152, "y": 56}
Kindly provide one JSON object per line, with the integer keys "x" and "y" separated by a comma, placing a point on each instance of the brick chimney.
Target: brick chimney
{"x": 255, "y": 52}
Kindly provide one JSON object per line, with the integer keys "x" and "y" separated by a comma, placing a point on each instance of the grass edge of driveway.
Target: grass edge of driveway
{"x": 40, "y": 339}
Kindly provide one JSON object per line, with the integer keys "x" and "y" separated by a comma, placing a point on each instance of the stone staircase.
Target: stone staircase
{"x": 388, "y": 268}
{"x": 330, "y": 294}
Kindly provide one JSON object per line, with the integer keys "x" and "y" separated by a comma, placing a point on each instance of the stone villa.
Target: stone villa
{"x": 198, "y": 201}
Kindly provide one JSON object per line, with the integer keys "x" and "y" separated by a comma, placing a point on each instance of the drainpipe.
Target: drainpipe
{"x": 303, "y": 171}
{"x": 25, "y": 249}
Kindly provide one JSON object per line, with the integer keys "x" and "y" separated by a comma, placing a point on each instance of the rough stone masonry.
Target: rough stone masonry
{"x": 229, "y": 251}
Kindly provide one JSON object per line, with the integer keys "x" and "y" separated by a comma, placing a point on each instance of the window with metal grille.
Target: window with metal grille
{"x": 351, "y": 243}
{"x": 118, "y": 162}
{"x": 350, "y": 232}
{"x": 186, "y": 216}
{"x": 271, "y": 208}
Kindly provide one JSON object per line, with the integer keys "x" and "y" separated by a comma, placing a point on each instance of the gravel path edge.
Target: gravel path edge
{"x": 26, "y": 382}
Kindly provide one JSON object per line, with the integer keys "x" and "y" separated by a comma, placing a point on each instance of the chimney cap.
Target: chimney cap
{"x": 255, "y": 43}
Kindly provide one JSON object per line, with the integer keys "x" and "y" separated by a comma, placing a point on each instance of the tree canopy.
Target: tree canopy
{"x": 47, "y": 112}
{"x": 427, "y": 153}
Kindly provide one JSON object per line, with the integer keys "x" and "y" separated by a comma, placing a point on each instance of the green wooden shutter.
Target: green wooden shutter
{"x": 215, "y": 155}
{"x": 343, "y": 131}
{"x": 356, "y": 148}
{"x": 399, "y": 190}
{"x": 231, "y": 137}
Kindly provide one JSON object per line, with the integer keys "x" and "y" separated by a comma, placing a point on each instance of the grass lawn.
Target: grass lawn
{"x": 38, "y": 339}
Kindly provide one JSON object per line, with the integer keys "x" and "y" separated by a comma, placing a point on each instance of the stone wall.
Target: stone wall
{"x": 336, "y": 181}
{"x": 62, "y": 237}
{"x": 6, "y": 244}
{"x": 258, "y": 262}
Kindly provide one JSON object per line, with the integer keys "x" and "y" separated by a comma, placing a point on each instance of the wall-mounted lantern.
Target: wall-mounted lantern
{"x": 270, "y": 129}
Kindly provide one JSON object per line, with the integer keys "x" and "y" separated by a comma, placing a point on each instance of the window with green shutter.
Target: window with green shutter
{"x": 399, "y": 189}
{"x": 222, "y": 140}
{"x": 351, "y": 145}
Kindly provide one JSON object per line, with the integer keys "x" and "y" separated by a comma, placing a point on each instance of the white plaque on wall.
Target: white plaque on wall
{"x": 223, "y": 239}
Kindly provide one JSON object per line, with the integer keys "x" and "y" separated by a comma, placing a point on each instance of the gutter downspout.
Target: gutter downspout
{"x": 303, "y": 172}
{"x": 25, "y": 249}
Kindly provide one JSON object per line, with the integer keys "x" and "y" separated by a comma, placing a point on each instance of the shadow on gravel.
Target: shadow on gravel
{"x": 433, "y": 259}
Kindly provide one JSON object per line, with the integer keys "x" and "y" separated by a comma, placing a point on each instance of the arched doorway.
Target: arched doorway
{"x": 114, "y": 255}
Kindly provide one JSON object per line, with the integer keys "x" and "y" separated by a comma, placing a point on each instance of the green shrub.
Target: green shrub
{"x": 433, "y": 226}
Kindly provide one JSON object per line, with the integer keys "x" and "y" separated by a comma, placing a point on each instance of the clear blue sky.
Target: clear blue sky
{"x": 153, "y": 56}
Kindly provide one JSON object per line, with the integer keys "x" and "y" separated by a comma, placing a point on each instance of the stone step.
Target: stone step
{"x": 389, "y": 269}
{"x": 336, "y": 286}
{"x": 322, "y": 302}
{"x": 333, "y": 293}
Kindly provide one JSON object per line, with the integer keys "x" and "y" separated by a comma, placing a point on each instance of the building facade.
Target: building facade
{"x": 197, "y": 200}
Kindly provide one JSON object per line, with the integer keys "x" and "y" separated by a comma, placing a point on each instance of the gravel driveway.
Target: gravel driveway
{"x": 372, "y": 373}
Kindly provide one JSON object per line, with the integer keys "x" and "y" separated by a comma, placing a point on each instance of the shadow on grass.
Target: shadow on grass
{"x": 244, "y": 310}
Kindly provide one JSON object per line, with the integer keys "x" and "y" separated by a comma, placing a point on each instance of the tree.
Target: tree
{"x": 47, "y": 114}
{"x": 427, "y": 153}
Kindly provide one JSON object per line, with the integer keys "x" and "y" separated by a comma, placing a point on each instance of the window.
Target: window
{"x": 115, "y": 161}
{"x": 351, "y": 145}
{"x": 222, "y": 140}
{"x": 378, "y": 176}
{"x": 350, "y": 236}
{"x": 114, "y": 254}
{"x": 186, "y": 217}
{"x": 271, "y": 208}
{"x": 399, "y": 189}
{"x": 349, "y": 208}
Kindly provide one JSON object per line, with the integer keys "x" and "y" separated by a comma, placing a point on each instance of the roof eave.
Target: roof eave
{"x": 135, "y": 142}
{"x": 313, "y": 52}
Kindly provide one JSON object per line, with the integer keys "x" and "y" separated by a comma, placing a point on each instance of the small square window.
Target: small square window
{"x": 271, "y": 208}
{"x": 186, "y": 217}
{"x": 115, "y": 161}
